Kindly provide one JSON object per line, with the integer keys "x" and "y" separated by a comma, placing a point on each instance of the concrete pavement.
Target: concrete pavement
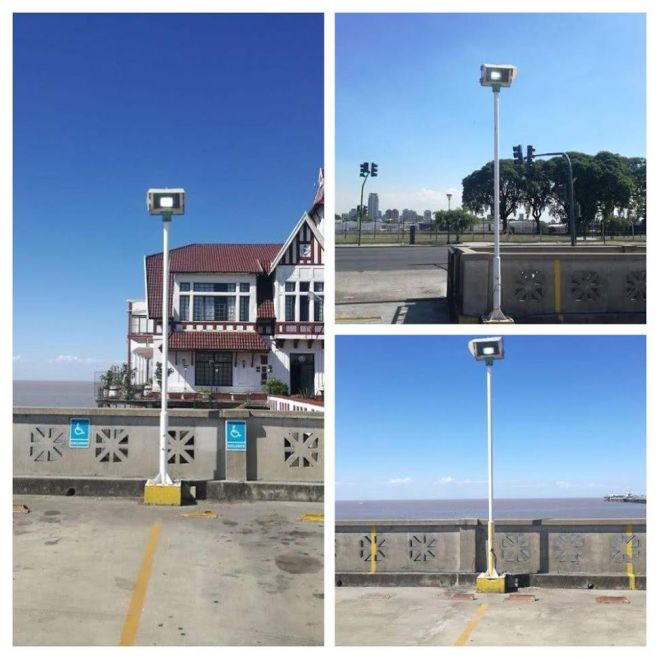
{"x": 392, "y": 285}
{"x": 426, "y": 616}
{"x": 93, "y": 571}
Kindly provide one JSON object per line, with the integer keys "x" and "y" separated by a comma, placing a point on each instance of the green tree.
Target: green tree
{"x": 455, "y": 221}
{"x": 637, "y": 168}
{"x": 538, "y": 189}
{"x": 478, "y": 190}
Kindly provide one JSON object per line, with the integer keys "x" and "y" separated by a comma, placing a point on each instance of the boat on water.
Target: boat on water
{"x": 628, "y": 497}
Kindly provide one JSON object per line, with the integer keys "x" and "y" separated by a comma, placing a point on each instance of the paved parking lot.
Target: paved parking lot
{"x": 93, "y": 571}
{"x": 427, "y": 616}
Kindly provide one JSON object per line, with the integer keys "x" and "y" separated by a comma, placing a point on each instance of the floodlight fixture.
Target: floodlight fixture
{"x": 497, "y": 75}
{"x": 486, "y": 350}
{"x": 165, "y": 200}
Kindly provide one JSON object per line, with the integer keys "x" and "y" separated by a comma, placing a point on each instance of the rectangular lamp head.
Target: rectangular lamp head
{"x": 486, "y": 349}
{"x": 497, "y": 75}
{"x": 165, "y": 200}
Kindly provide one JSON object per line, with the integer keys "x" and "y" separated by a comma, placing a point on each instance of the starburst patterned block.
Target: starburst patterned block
{"x": 366, "y": 546}
{"x": 46, "y": 444}
{"x": 569, "y": 547}
{"x": 529, "y": 285}
{"x": 301, "y": 449}
{"x": 422, "y": 548}
{"x": 586, "y": 286}
{"x": 635, "y": 286}
{"x": 111, "y": 445}
{"x": 624, "y": 548}
{"x": 181, "y": 447}
{"x": 515, "y": 548}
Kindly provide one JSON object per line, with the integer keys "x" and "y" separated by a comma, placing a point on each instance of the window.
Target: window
{"x": 244, "y": 287}
{"x": 264, "y": 369}
{"x": 290, "y": 286}
{"x": 304, "y": 307}
{"x": 318, "y": 311}
{"x": 209, "y": 287}
{"x": 304, "y": 286}
{"x": 184, "y": 307}
{"x": 244, "y": 307}
{"x": 290, "y": 308}
{"x": 184, "y": 286}
{"x": 319, "y": 302}
{"x": 214, "y": 307}
{"x": 214, "y": 369}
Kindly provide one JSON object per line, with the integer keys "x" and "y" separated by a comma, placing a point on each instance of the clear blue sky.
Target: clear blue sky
{"x": 230, "y": 107}
{"x": 569, "y": 417}
{"x": 408, "y": 96}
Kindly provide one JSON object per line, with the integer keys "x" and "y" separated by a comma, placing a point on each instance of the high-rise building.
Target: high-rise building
{"x": 373, "y": 205}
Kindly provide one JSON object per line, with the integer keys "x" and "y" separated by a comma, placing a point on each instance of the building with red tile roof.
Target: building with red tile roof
{"x": 240, "y": 314}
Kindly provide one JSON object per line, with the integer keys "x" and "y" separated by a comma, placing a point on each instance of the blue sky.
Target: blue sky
{"x": 408, "y": 96}
{"x": 230, "y": 107}
{"x": 568, "y": 411}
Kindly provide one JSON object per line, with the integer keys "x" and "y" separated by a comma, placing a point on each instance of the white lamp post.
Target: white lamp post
{"x": 496, "y": 76}
{"x": 164, "y": 202}
{"x": 487, "y": 350}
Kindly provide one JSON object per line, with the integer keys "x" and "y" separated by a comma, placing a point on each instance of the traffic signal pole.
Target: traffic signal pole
{"x": 361, "y": 211}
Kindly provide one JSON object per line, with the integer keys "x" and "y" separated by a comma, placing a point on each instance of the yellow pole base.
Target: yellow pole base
{"x": 163, "y": 495}
{"x": 485, "y": 584}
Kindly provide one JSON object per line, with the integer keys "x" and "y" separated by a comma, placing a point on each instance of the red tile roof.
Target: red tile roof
{"x": 249, "y": 341}
{"x": 203, "y": 258}
{"x": 265, "y": 309}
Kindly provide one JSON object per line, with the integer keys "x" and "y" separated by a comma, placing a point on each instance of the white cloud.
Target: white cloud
{"x": 17, "y": 358}
{"x": 73, "y": 359}
{"x": 450, "y": 480}
{"x": 400, "y": 481}
{"x": 564, "y": 485}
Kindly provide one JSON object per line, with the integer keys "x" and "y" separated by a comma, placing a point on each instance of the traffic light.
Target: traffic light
{"x": 363, "y": 169}
{"x": 517, "y": 154}
{"x": 530, "y": 154}
{"x": 374, "y": 169}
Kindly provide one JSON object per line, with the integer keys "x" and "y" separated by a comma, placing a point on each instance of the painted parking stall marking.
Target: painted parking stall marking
{"x": 79, "y": 432}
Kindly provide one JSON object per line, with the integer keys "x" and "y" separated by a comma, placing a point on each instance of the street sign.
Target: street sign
{"x": 79, "y": 431}
{"x": 235, "y": 434}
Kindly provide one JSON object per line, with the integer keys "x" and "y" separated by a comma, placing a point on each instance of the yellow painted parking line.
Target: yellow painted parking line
{"x": 471, "y": 625}
{"x": 374, "y": 551}
{"x": 629, "y": 530}
{"x": 200, "y": 513}
{"x": 311, "y": 517}
{"x": 134, "y": 613}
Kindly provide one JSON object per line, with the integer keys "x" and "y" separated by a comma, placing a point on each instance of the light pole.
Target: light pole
{"x": 448, "y": 223}
{"x": 364, "y": 172}
{"x": 164, "y": 202}
{"x": 487, "y": 350}
{"x": 496, "y": 76}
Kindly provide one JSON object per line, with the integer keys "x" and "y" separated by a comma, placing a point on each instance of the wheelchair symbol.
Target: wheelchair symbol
{"x": 78, "y": 430}
{"x": 235, "y": 433}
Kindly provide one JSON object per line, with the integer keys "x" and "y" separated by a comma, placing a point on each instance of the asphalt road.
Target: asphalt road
{"x": 360, "y": 259}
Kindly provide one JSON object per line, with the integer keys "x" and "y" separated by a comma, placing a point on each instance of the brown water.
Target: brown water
{"x": 53, "y": 393}
{"x": 429, "y": 509}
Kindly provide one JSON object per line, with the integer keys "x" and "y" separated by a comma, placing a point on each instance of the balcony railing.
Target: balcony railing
{"x": 300, "y": 329}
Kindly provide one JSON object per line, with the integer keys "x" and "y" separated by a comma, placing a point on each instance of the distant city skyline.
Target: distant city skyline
{"x": 428, "y": 122}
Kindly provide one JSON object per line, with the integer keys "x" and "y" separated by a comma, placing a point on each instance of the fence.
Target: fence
{"x": 123, "y": 443}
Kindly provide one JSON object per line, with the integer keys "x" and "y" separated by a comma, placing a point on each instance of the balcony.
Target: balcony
{"x": 308, "y": 329}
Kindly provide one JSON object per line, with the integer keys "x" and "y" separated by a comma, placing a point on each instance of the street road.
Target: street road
{"x": 360, "y": 259}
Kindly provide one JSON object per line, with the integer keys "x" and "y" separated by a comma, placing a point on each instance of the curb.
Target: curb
{"x": 134, "y": 488}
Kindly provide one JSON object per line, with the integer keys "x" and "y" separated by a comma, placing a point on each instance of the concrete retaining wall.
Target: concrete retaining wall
{"x": 522, "y": 547}
{"x": 549, "y": 281}
{"x": 281, "y": 446}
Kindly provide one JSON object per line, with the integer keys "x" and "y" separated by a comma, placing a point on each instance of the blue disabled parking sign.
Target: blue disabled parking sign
{"x": 235, "y": 433}
{"x": 79, "y": 433}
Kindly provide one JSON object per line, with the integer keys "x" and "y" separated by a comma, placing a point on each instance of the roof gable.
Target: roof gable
{"x": 305, "y": 219}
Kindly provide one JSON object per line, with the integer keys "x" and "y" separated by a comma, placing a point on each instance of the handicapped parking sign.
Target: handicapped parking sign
{"x": 79, "y": 431}
{"x": 235, "y": 433}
